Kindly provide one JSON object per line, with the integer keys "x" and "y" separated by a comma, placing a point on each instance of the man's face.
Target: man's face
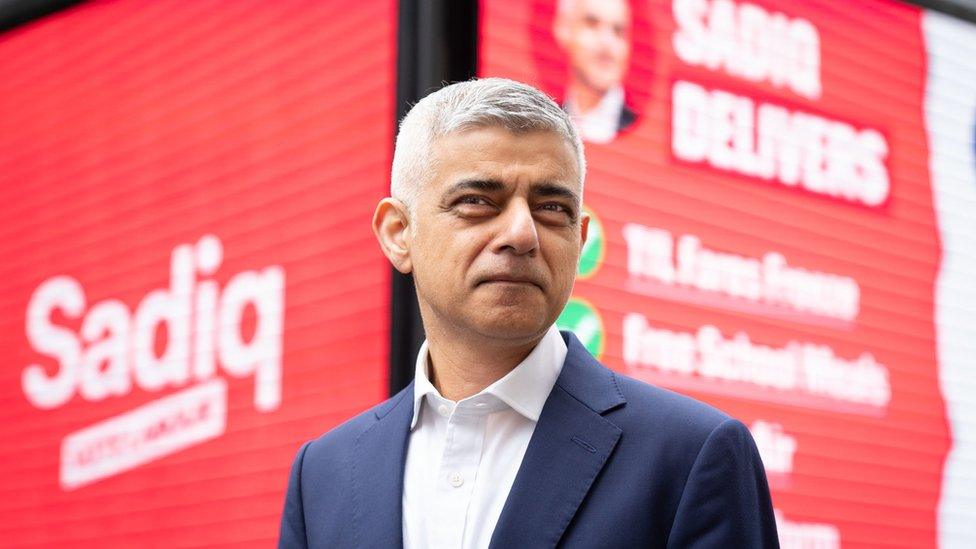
{"x": 497, "y": 232}
{"x": 596, "y": 35}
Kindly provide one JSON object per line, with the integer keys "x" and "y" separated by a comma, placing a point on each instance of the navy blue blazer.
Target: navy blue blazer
{"x": 613, "y": 462}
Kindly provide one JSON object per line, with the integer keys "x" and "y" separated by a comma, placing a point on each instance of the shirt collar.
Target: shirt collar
{"x": 525, "y": 389}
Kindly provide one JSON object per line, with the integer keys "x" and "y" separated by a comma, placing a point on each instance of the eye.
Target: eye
{"x": 558, "y": 212}
{"x": 473, "y": 206}
{"x": 473, "y": 200}
{"x": 555, "y": 207}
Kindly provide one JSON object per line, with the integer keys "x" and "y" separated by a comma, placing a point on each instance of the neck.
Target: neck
{"x": 585, "y": 97}
{"x": 463, "y": 367}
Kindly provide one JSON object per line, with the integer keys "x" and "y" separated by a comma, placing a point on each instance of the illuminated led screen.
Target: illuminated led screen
{"x": 190, "y": 287}
{"x": 783, "y": 202}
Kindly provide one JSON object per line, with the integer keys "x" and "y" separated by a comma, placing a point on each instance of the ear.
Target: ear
{"x": 584, "y": 228}
{"x": 391, "y": 224}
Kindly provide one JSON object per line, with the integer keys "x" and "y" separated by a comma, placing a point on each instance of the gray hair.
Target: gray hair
{"x": 517, "y": 107}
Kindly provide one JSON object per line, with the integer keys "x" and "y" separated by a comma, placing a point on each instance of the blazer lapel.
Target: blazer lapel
{"x": 568, "y": 449}
{"x": 378, "y": 474}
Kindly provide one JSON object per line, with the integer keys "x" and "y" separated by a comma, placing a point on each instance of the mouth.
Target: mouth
{"x": 510, "y": 280}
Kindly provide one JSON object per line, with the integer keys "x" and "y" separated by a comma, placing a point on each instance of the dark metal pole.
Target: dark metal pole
{"x": 14, "y": 13}
{"x": 437, "y": 43}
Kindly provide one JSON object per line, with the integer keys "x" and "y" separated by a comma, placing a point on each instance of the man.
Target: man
{"x": 512, "y": 435}
{"x": 595, "y": 35}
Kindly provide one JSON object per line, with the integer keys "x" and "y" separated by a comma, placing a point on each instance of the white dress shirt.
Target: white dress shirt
{"x": 463, "y": 456}
{"x": 599, "y": 124}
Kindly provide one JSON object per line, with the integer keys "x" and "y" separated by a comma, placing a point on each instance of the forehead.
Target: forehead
{"x": 607, "y": 10}
{"x": 493, "y": 152}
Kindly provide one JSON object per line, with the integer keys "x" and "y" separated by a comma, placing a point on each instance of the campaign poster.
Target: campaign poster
{"x": 764, "y": 236}
{"x": 189, "y": 286}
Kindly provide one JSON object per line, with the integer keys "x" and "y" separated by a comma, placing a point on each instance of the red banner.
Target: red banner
{"x": 190, "y": 287}
{"x": 765, "y": 235}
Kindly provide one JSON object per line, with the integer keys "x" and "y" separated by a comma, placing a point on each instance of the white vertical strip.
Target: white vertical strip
{"x": 950, "y": 110}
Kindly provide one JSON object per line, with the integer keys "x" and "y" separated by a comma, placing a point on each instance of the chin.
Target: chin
{"x": 512, "y": 327}
{"x": 605, "y": 80}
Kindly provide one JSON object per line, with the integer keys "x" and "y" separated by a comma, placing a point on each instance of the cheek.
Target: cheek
{"x": 424, "y": 257}
{"x": 564, "y": 265}
{"x": 588, "y": 44}
{"x": 441, "y": 258}
{"x": 620, "y": 50}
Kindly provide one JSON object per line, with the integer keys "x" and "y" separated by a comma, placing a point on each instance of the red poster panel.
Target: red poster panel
{"x": 190, "y": 287}
{"x": 764, "y": 235}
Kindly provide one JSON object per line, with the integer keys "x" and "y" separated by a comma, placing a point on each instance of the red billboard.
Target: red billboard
{"x": 765, "y": 235}
{"x": 190, "y": 287}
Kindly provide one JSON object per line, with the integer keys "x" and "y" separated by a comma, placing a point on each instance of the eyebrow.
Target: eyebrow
{"x": 492, "y": 185}
{"x": 484, "y": 185}
{"x": 554, "y": 190}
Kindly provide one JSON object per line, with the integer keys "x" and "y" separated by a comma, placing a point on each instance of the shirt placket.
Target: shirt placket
{"x": 454, "y": 485}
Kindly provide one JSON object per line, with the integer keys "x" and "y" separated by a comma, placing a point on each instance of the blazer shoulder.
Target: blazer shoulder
{"x": 666, "y": 411}
{"x": 342, "y": 437}
{"x": 638, "y": 408}
{"x": 627, "y": 118}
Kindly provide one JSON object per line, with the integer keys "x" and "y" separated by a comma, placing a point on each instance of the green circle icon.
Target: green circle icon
{"x": 594, "y": 249}
{"x": 582, "y": 319}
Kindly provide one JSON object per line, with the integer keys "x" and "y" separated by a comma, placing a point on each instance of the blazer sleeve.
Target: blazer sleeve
{"x": 725, "y": 502}
{"x": 292, "y": 532}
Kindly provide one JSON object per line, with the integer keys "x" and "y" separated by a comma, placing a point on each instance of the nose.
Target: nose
{"x": 608, "y": 38}
{"x": 517, "y": 234}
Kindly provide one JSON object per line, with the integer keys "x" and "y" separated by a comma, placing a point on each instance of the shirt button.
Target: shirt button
{"x": 456, "y": 480}
{"x": 443, "y": 410}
